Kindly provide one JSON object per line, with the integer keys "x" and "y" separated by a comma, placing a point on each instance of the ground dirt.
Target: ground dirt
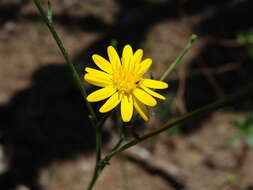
{"x": 47, "y": 142}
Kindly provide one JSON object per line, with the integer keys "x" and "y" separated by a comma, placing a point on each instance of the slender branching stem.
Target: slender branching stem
{"x": 101, "y": 162}
{"x": 179, "y": 57}
{"x": 47, "y": 18}
{"x": 243, "y": 93}
{"x": 97, "y": 168}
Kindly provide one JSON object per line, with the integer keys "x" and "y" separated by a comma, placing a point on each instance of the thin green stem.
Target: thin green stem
{"x": 100, "y": 122}
{"x": 98, "y": 144}
{"x": 246, "y": 92}
{"x": 121, "y": 139}
{"x": 97, "y": 170}
{"x": 132, "y": 132}
{"x": 179, "y": 57}
{"x": 94, "y": 177}
{"x": 243, "y": 93}
{"x": 48, "y": 20}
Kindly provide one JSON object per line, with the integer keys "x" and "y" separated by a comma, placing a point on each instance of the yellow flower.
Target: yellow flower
{"x": 122, "y": 82}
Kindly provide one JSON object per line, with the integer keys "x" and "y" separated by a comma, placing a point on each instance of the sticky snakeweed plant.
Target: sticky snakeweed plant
{"x": 122, "y": 81}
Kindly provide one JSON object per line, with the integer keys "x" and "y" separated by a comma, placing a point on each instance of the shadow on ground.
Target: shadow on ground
{"x": 45, "y": 122}
{"x": 48, "y": 121}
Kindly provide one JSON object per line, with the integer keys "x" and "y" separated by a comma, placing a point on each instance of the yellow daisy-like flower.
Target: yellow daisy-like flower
{"x": 122, "y": 82}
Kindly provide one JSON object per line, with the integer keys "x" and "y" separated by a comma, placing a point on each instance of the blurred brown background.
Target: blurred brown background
{"x": 46, "y": 142}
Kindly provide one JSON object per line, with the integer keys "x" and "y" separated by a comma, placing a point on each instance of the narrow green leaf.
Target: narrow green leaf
{"x": 49, "y": 11}
{"x": 179, "y": 57}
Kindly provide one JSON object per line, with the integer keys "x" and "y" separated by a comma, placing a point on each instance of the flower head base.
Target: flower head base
{"x": 123, "y": 82}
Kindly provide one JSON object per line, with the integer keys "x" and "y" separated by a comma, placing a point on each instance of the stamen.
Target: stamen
{"x": 125, "y": 80}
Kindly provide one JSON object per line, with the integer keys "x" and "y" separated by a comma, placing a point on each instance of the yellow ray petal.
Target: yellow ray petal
{"x": 153, "y": 93}
{"x": 111, "y": 103}
{"x": 144, "y": 97}
{"x": 101, "y": 94}
{"x": 154, "y": 84}
{"x": 102, "y": 82}
{"x": 138, "y": 56}
{"x": 127, "y": 108}
{"x": 127, "y": 56}
{"x": 114, "y": 58}
{"x": 98, "y": 73}
{"x": 102, "y": 63}
{"x": 137, "y": 59}
{"x": 141, "y": 109}
{"x": 145, "y": 65}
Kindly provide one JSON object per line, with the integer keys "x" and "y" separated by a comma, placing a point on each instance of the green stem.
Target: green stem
{"x": 98, "y": 158}
{"x": 94, "y": 177}
{"x": 98, "y": 145}
{"x": 70, "y": 64}
{"x": 179, "y": 57}
{"x": 121, "y": 136}
{"x": 239, "y": 95}
{"x": 121, "y": 139}
{"x": 132, "y": 132}
{"x": 97, "y": 168}
{"x": 246, "y": 92}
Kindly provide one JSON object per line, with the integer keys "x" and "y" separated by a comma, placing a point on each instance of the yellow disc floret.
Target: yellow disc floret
{"x": 125, "y": 80}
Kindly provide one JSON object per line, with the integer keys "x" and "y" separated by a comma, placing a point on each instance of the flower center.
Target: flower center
{"x": 125, "y": 80}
